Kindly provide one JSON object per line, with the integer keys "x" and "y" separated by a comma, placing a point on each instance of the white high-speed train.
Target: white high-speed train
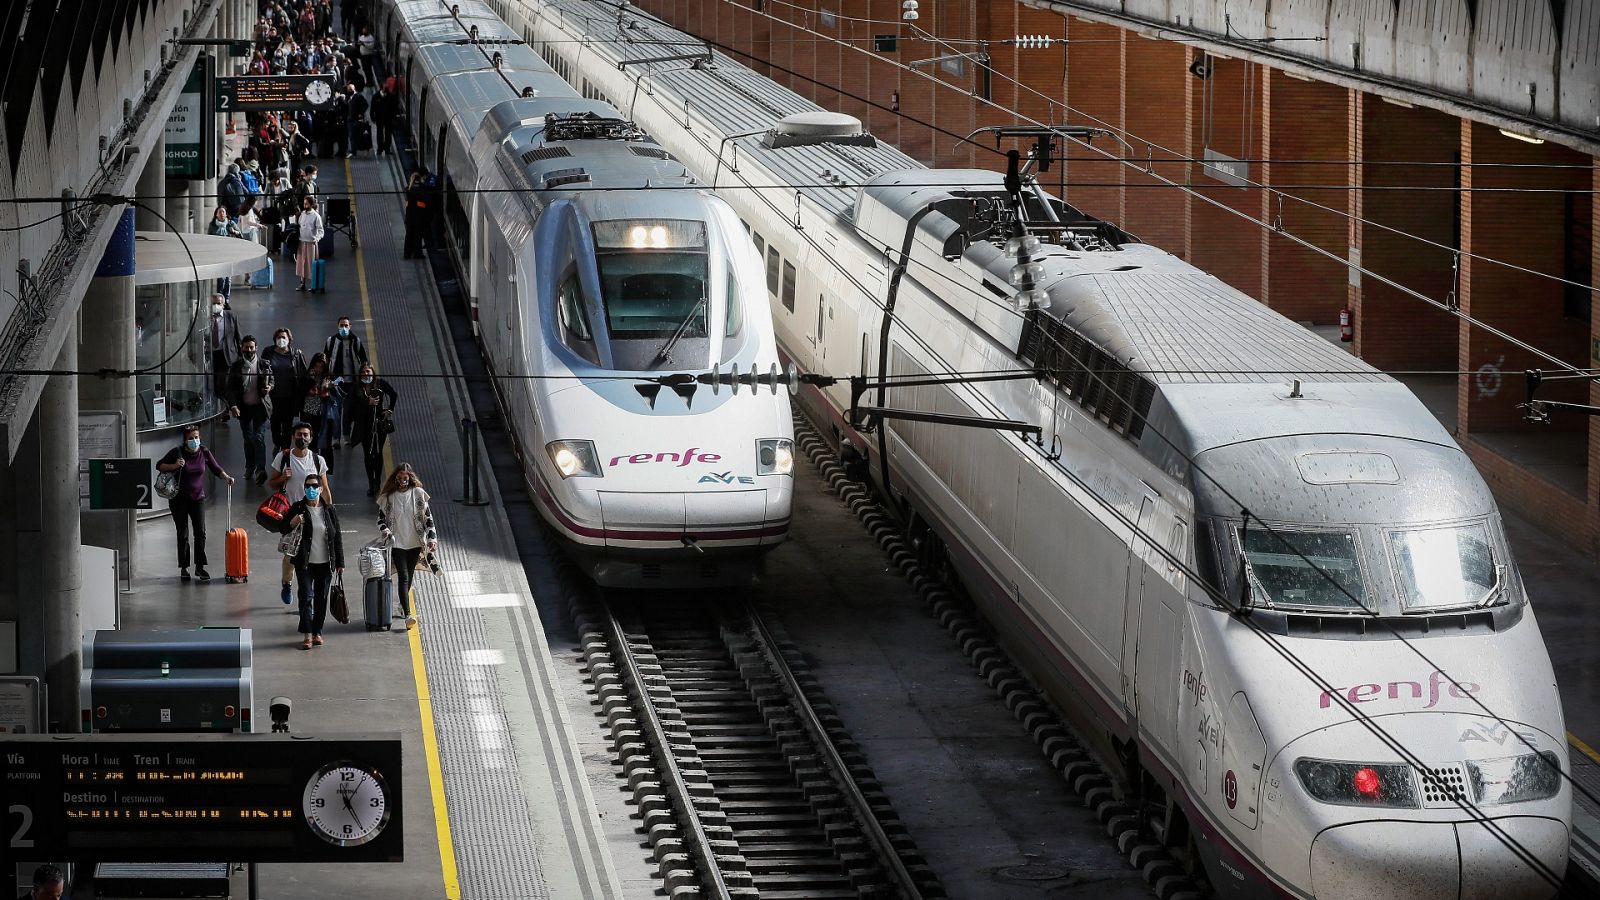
{"x": 1284, "y": 605}
{"x": 598, "y": 268}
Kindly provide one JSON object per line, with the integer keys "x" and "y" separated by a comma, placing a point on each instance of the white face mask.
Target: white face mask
{"x": 216, "y": 309}
{"x": 283, "y": 343}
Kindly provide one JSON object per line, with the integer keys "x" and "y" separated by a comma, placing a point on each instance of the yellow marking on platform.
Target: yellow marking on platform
{"x": 1585, "y": 749}
{"x": 419, "y": 667}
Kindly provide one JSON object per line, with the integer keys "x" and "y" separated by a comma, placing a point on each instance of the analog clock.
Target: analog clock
{"x": 346, "y": 804}
{"x": 318, "y": 93}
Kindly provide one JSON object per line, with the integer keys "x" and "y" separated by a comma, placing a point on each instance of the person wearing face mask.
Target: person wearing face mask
{"x": 250, "y": 382}
{"x": 222, "y": 336}
{"x": 288, "y": 368}
{"x": 310, "y": 223}
{"x": 191, "y": 461}
{"x": 318, "y": 556}
{"x": 346, "y": 355}
{"x": 317, "y": 397}
{"x": 290, "y": 470}
{"x": 371, "y": 407}
{"x": 406, "y": 521}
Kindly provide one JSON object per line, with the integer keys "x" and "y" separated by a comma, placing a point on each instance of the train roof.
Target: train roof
{"x": 1151, "y": 310}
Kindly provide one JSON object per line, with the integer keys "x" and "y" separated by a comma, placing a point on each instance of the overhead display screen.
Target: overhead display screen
{"x": 202, "y": 798}
{"x": 251, "y": 93}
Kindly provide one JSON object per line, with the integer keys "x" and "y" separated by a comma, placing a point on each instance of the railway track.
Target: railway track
{"x": 745, "y": 783}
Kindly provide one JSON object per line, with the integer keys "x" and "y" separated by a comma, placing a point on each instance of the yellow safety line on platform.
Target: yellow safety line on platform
{"x": 419, "y": 668}
{"x": 1585, "y": 749}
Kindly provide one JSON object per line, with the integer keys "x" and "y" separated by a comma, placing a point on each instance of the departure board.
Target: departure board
{"x": 202, "y": 798}
{"x": 271, "y": 93}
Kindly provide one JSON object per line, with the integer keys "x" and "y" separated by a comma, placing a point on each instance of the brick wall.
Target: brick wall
{"x": 1157, "y": 75}
{"x": 1094, "y": 92}
{"x": 1525, "y": 227}
{"x": 1305, "y": 121}
{"x": 1226, "y": 117}
{"x": 1393, "y": 330}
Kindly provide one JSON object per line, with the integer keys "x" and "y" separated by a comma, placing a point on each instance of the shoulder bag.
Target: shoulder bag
{"x": 167, "y": 483}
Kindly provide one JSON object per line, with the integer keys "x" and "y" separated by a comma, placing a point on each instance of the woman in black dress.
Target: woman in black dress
{"x": 371, "y": 410}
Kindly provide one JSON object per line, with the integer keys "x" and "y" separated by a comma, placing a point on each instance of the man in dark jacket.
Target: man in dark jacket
{"x": 419, "y": 199}
{"x": 250, "y": 384}
{"x": 346, "y": 355}
{"x": 385, "y": 109}
{"x": 222, "y": 338}
{"x": 355, "y": 120}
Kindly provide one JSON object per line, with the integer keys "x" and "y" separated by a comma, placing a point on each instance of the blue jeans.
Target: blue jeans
{"x": 252, "y": 419}
{"x": 332, "y": 419}
{"x": 314, "y": 579}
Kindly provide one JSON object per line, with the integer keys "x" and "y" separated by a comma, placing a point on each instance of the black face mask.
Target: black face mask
{"x": 301, "y": 443}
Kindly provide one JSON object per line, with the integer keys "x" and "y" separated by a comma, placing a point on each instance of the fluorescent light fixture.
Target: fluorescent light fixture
{"x": 1400, "y": 103}
{"x": 1525, "y": 138}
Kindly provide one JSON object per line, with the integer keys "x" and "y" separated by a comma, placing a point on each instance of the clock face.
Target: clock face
{"x": 346, "y": 804}
{"x": 318, "y": 93}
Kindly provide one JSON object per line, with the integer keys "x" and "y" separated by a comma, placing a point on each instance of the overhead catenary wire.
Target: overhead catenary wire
{"x": 1121, "y": 131}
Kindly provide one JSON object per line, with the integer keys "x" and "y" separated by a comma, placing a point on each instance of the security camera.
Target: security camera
{"x": 279, "y": 707}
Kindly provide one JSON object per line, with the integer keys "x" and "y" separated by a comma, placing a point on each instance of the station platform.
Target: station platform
{"x": 497, "y": 802}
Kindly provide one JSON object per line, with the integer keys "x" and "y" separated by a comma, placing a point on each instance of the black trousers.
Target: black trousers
{"x": 187, "y": 513}
{"x": 404, "y": 563}
{"x": 416, "y": 235}
{"x": 385, "y": 135}
{"x": 372, "y": 455}
{"x": 314, "y": 580}
{"x": 285, "y": 411}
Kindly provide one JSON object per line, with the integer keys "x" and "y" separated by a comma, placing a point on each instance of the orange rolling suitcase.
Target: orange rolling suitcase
{"x": 237, "y": 566}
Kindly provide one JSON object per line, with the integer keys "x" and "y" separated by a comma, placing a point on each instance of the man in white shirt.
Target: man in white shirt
{"x": 289, "y": 471}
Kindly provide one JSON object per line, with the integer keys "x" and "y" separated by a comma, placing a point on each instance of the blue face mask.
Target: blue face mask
{"x": 312, "y": 493}
{"x": 344, "y": 331}
{"x": 192, "y": 443}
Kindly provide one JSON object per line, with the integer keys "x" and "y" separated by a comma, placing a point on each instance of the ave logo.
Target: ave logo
{"x": 725, "y": 478}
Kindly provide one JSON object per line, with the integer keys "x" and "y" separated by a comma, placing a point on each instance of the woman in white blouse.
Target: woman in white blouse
{"x": 310, "y": 222}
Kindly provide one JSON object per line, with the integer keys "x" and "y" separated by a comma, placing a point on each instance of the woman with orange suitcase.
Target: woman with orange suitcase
{"x": 191, "y": 461}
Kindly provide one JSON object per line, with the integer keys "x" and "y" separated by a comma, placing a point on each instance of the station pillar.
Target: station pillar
{"x": 152, "y": 188}
{"x": 45, "y": 472}
{"x": 109, "y": 303}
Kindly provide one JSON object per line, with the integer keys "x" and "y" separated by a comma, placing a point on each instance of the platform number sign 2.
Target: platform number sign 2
{"x": 24, "y": 825}
{"x": 1230, "y": 789}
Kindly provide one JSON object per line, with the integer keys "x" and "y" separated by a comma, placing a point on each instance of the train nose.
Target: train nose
{"x": 1511, "y": 858}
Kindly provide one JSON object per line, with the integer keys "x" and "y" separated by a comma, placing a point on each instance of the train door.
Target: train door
{"x": 1151, "y": 630}
{"x": 1138, "y": 550}
{"x": 1244, "y": 757}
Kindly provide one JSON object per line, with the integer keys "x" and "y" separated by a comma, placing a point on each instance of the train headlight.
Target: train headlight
{"x": 775, "y": 456}
{"x": 1358, "y": 784}
{"x": 574, "y": 458}
{"x": 1515, "y": 779}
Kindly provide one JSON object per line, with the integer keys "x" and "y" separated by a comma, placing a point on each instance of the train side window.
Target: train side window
{"x": 735, "y": 311}
{"x": 772, "y": 271}
{"x": 760, "y": 242}
{"x": 788, "y": 286}
{"x": 574, "y": 321}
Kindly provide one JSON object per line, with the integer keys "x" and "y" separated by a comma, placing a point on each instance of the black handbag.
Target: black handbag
{"x": 386, "y": 422}
{"x": 336, "y": 602}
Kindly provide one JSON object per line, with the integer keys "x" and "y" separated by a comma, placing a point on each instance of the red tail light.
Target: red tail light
{"x": 1367, "y": 783}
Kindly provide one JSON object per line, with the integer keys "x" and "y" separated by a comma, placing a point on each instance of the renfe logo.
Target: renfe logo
{"x": 693, "y": 454}
{"x": 1371, "y": 693}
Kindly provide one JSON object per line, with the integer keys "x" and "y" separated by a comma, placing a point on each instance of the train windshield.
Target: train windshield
{"x": 1303, "y": 569}
{"x": 1445, "y": 568}
{"x": 653, "y": 285}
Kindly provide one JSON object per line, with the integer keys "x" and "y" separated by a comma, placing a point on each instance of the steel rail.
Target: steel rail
{"x": 698, "y": 843}
{"x": 865, "y": 817}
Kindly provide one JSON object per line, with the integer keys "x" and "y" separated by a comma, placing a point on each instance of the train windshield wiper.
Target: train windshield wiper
{"x": 665, "y": 353}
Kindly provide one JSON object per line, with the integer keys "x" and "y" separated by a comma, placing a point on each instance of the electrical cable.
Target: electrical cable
{"x": 194, "y": 321}
{"x": 1122, "y": 133}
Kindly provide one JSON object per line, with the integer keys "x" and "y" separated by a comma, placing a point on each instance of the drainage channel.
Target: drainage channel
{"x": 745, "y": 782}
